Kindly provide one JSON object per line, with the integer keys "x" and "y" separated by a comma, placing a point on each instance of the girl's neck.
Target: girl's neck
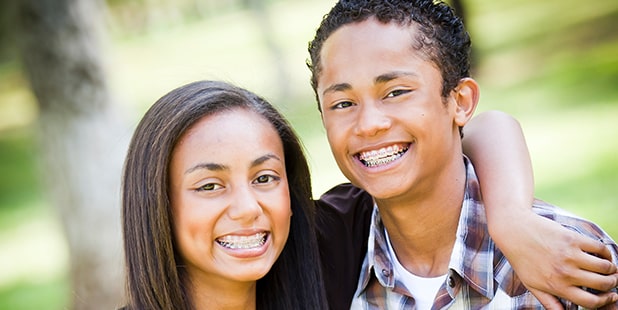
{"x": 241, "y": 297}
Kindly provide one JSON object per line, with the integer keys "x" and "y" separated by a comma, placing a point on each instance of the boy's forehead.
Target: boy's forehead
{"x": 371, "y": 41}
{"x": 406, "y": 36}
{"x": 372, "y": 27}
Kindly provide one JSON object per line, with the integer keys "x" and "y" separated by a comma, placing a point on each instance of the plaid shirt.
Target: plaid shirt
{"x": 479, "y": 275}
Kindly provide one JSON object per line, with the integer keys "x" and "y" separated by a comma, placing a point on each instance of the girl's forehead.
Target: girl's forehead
{"x": 229, "y": 132}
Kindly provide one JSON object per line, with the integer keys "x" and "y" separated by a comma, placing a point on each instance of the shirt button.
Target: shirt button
{"x": 386, "y": 273}
{"x": 451, "y": 282}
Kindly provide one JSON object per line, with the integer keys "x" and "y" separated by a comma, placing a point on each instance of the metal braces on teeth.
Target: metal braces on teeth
{"x": 236, "y": 242}
{"x": 381, "y": 157}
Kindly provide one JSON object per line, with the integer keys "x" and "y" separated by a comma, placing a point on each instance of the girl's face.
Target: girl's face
{"x": 230, "y": 199}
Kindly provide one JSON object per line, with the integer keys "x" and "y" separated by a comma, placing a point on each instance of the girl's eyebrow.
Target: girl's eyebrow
{"x": 207, "y": 166}
{"x": 264, "y": 158}
{"x": 221, "y": 167}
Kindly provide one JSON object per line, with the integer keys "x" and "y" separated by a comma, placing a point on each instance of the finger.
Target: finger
{"x": 595, "y": 247}
{"x": 595, "y": 264}
{"x": 548, "y": 301}
{"x": 589, "y": 300}
{"x": 612, "y": 305}
{"x": 596, "y": 281}
{"x": 592, "y": 301}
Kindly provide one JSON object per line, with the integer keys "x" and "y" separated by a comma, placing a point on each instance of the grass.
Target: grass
{"x": 48, "y": 294}
{"x": 551, "y": 64}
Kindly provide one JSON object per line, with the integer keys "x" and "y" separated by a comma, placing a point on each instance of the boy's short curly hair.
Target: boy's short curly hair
{"x": 441, "y": 37}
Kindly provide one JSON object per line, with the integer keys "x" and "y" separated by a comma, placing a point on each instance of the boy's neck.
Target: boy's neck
{"x": 423, "y": 231}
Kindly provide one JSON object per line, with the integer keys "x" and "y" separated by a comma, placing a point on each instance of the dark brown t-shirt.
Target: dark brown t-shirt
{"x": 343, "y": 216}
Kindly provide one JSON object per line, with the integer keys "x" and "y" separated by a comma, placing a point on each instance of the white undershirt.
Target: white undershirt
{"x": 423, "y": 290}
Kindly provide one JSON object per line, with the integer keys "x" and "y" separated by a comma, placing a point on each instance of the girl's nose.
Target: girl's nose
{"x": 245, "y": 205}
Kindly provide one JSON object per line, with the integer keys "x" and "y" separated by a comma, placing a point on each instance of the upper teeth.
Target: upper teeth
{"x": 382, "y": 156}
{"x": 242, "y": 242}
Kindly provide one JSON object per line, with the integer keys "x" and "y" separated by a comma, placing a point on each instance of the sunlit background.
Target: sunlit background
{"x": 552, "y": 64}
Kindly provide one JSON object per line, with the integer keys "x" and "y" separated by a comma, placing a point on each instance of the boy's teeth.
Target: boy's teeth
{"x": 381, "y": 156}
{"x": 242, "y": 242}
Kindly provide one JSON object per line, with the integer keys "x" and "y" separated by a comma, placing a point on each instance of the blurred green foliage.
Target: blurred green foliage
{"x": 552, "y": 64}
{"x": 36, "y": 295}
{"x": 17, "y": 163}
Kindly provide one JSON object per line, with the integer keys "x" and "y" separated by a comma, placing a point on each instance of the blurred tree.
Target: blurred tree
{"x": 259, "y": 10}
{"x": 6, "y": 49}
{"x": 81, "y": 144}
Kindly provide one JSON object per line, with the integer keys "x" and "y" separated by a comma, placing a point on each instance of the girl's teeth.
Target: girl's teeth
{"x": 243, "y": 242}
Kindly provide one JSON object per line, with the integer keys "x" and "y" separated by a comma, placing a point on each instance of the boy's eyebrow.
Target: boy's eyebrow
{"x": 386, "y": 77}
{"x": 337, "y": 87}
{"x": 382, "y": 78}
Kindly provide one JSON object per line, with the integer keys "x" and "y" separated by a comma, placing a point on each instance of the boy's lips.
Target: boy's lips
{"x": 383, "y": 155}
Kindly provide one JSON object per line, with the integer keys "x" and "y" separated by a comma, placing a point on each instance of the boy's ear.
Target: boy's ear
{"x": 466, "y": 97}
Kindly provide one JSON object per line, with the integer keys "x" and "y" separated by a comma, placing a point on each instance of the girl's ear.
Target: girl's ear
{"x": 466, "y": 97}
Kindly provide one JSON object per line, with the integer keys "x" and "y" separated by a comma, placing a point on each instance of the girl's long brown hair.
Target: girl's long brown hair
{"x": 155, "y": 277}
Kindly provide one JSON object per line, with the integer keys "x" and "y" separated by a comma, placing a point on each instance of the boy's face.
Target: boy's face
{"x": 390, "y": 130}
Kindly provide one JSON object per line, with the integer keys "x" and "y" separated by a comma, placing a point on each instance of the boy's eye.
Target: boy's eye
{"x": 397, "y": 92}
{"x": 342, "y": 105}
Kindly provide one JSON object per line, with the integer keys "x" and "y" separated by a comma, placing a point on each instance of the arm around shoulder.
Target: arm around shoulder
{"x": 549, "y": 259}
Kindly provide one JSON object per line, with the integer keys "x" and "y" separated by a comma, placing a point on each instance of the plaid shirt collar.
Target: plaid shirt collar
{"x": 472, "y": 258}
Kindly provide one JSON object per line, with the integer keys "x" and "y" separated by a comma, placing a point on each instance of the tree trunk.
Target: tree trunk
{"x": 80, "y": 144}
{"x": 259, "y": 10}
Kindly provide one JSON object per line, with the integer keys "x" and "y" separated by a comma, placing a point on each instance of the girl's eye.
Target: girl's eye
{"x": 342, "y": 105}
{"x": 266, "y": 178}
{"x": 397, "y": 92}
{"x": 209, "y": 187}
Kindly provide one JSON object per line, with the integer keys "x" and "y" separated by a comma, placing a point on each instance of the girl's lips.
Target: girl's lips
{"x": 382, "y": 156}
{"x": 245, "y": 246}
{"x": 243, "y": 241}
